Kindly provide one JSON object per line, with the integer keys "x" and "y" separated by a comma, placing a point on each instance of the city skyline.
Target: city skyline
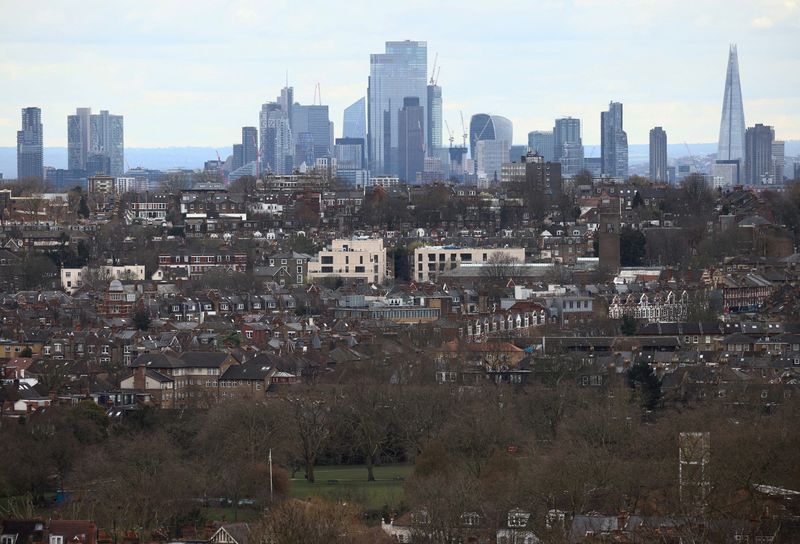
{"x": 177, "y": 90}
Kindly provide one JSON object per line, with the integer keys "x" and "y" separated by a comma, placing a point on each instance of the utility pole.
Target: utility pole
{"x": 270, "y": 475}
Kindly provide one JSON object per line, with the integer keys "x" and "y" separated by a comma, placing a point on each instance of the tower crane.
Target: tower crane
{"x": 433, "y": 72}
{"x": 449, "y": 132}
{"x": 463, "y": 128}
{"x": 691, "y": 156}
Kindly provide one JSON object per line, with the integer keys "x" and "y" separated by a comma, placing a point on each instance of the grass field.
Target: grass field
{"x": 349, "y": 483}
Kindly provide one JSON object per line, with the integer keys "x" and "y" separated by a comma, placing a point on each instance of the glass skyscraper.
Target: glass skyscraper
{"x": 249, "y": 145}
{"x": 30, "y": 146}
{"x": 613, "y": 142}
{"x": 399, "y": 73}
{"x": 568, "y": 146}
{"x": 96, "y": 134}
{"x": 276, "y": 140}
{"x": 78, "y": 127}
{"x": 658, "y": 154}
{"x": 315, "y": 121}
{"x": 354, "y": 123}
{"x": 542, "y": 142}
{"x": 732, "y": 127}
{"x": 433, "y": 137}
{"x": 490, "y": 127}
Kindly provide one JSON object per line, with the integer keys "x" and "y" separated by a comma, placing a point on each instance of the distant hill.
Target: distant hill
{"x": 160, "y": 158}
{"x": 163, "y": 158}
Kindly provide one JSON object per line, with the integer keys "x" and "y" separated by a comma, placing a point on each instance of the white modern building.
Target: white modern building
{"x": 73, "y": 278}
{"x": 357, "y": 259}
{"x": 430, "y": 261}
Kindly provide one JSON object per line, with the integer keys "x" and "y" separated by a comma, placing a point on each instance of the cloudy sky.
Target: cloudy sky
{"x": 191, "y": 73}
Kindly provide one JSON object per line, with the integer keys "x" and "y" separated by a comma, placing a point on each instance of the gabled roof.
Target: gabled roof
{"x": 203, "y": 359}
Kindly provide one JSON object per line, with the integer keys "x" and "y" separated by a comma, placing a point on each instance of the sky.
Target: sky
{"x": 192, "y": 73}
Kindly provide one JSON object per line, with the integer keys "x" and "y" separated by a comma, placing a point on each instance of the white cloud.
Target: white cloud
{"x": 762, "y": 22}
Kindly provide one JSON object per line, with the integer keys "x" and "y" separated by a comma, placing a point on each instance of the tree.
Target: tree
{"x": 83, "y": 208}
{"x": 368, "y": 411}
{"x": 643, "y": 379}
{"x": 500, "y": 266}
{"x": 632, "y": 247}
{"x": 628, "y": 325}
{"x": 141, "y": 318}
{"x": 312, "y": 419}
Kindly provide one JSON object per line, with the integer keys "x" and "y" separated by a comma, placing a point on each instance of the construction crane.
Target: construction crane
{"x": 464, "y": 128}
{"x": 220, "y": 168}
{"x": 691, "y": 156}
{"x": 433, "y": 72}
{"x": 449, "y": 132}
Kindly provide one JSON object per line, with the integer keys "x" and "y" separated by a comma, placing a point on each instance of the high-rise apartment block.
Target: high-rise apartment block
{"x": 658, "y": 155}
{"x": 30, "y": 145}
{"x": 398, "y": 73}
{"x": 613, "y": 142}
{"x": 758, "y": 166}
{"x": 94, "y": 138}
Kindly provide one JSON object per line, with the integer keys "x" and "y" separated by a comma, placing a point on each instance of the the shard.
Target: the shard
{"x": 731, "y": 129}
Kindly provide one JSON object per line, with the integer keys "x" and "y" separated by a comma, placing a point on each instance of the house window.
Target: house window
{"x": 248, "y": 334}
{"x": 56, "y": 539}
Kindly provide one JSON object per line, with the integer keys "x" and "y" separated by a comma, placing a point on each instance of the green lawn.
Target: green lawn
{"x": 349, "y": 483}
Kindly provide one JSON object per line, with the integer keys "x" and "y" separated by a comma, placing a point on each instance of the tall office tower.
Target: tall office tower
{"x": 572, "y": 160}
{"x": 276, "y": 140}
{"x": 237, "y": 161}
{"x": 566, "y": 130}
{"x": 613, "y": 142}
{"x": 354, "y": 122}
{"x": 658, "y": 154}
{"x": 286, "y": 102}
{"x": 758, "y": 166}
{"x": 249, "y": 145}
{"x": 731, "y": 127}
{"x": 349, "y": 153}
{"x": 315, "y": 121}
{"x": 411, "y": 139}
{"x": 778, "y": 160}
{"x": 490, "y": 127}
{"x": 304, "y": 149}
{"x": 433, "y": 138}
{"x": 78, "y": 127}
{"x": 30, "y": 145}
{"x": 398, "y": 73}
{"x": 542, "y": 142}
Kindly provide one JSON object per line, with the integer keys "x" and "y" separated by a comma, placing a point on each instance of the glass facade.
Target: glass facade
{"x": 30, "y": 158}
{"x": 106, "y": 137}
{"x": 354, "y": 123}
{"x": 434, "y": 135}
{"x": 315, "y": 121}
{"x": 398, "y": 73}
{"x": 613, "y": 142}
{"x": 566, "y": 130}
{"x": 542, "y": 142}
{"x": 731, "y": 128}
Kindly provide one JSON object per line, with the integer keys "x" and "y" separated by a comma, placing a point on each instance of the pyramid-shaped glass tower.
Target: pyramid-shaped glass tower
{"x": 731, "y": 128}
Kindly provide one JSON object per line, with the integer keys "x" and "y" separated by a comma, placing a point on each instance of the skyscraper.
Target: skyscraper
{"x": 249, "y": 145}
{"x": 758, "y": 167}
{"x": 433, "y": 137}
{"x": 568, "y": 146}
{"x": 398, "y": 73}
{"x": 315, "y": 121}
{"x": 106, "y": 137}
{"x": 566, "y": 129}
{"x": 354, "y": 122}
{"x": 78, "y": 127}
{"x": 286, "y": 101}
{"x": 276, "y": 140}
{"x": 658, "y": 154}
{"x": 411, "y": 134}
{"x": 30, "y": 147}
{"x": 613, "y": 142}
{"x": 778, "y": 160}
{"x": 542, "y": 142}
{"x": 483, "y": 126}
{"x": 731, "y": 128}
